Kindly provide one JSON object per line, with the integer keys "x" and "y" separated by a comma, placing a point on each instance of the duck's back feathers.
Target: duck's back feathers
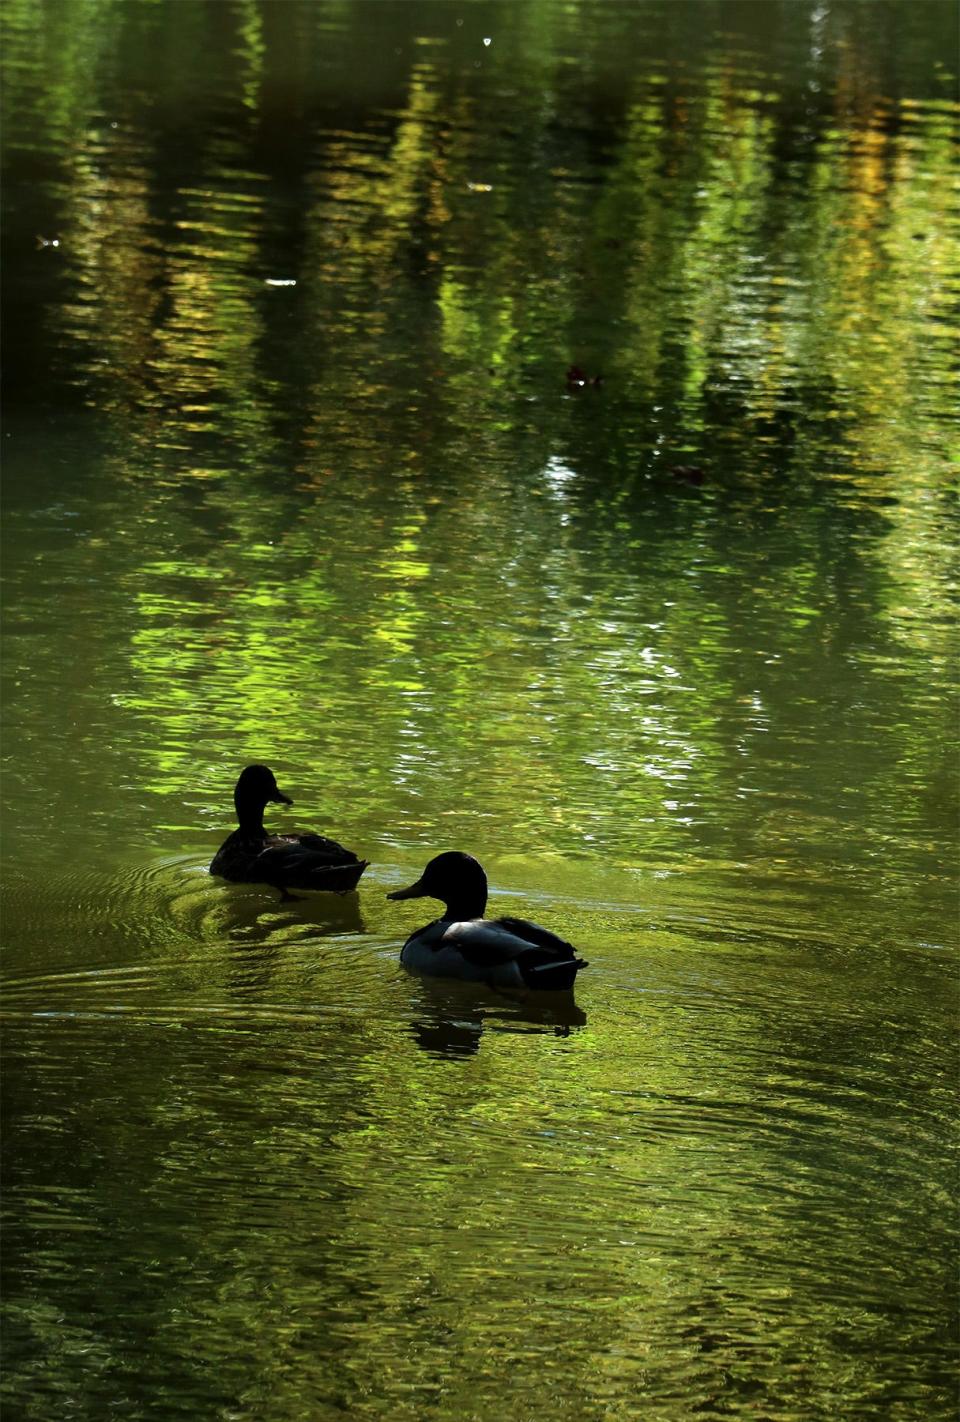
{"x": 288, "y": 861}
{"x": 542, "y": 937}
{"x": 506, "y": 952}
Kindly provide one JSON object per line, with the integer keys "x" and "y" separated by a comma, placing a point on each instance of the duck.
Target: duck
{"x": 501, "y": 952}
{"x": 287, "y": 861}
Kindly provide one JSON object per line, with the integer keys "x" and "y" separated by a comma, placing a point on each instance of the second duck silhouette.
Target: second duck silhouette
{"x": 287, "y": 861}
{"x": 503, "y": 952}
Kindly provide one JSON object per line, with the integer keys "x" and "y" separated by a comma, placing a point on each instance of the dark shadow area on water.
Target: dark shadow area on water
{"x": 453, "y": 1016}
{"x": 246, "y": 910}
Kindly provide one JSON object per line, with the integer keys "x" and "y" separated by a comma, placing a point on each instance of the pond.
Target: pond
{"x": 528, "y": 429}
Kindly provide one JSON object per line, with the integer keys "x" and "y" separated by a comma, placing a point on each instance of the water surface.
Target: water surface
{"x": 531, "y": 429}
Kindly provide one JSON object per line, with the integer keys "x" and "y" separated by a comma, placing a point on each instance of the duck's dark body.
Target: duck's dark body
{"x": 287, "y": 861}
{"x": 503, "y": 952}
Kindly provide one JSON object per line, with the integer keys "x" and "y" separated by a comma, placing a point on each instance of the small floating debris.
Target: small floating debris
{"x": 577, "y": 379}
{"x": 280, "y": 281}
{"x": 479, "y": 187}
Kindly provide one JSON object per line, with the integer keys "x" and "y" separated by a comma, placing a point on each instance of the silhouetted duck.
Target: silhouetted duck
{"x": 288, "y": 861}
{"x": 503, "y": 952}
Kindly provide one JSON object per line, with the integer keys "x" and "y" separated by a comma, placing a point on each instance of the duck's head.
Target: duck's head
{"x": 256, "y": 786}
{"x": 456, "y": 879}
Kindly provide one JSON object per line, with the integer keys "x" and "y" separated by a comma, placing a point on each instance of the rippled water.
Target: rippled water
{"x": 528, "y": 428}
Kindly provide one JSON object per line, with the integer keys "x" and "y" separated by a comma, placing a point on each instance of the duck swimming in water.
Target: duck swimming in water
{"x": 502, "y": 952}
{"x": 287, "y": 861}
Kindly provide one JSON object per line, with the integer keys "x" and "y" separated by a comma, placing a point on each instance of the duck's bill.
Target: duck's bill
{"x": 415, "y": 891}
{"x": 281, "y": 799}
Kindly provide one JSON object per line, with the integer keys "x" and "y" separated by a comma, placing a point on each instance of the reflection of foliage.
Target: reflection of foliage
{"x": 361, "y": 523}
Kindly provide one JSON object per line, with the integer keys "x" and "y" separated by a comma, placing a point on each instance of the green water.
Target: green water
{"x": 294, "y": 472}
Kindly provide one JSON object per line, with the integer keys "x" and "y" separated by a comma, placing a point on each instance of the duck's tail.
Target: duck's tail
{"x": 335, "y": 878}
{"x": 556, "y": 975}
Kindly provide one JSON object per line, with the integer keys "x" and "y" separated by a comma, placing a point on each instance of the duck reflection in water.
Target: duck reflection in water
{"x": 287, "y": 861}
{"x": 245, "y": 917}
{"x": 451, "y": 1017}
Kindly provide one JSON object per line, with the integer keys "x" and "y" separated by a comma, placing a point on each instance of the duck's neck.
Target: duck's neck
{"x": 250, "y": 817}
{"x": 466, "y": 905}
